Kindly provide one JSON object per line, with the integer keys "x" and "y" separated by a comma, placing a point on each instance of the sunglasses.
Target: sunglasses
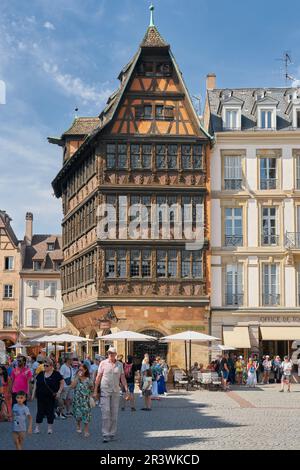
{"x": 47, "y": 365}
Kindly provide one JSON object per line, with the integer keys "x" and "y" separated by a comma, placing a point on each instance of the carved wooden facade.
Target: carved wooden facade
{"x": 149, "y": 144}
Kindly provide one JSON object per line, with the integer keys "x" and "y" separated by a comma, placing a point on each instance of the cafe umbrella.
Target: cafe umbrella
{"x": 127, "y": 336}
{"x": 188, "y": 337}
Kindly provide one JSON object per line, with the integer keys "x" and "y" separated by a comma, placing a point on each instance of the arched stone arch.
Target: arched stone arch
{"x": 152, "y": 348}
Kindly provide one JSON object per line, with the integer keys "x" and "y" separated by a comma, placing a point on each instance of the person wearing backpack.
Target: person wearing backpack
{"x": 129, "y": 370}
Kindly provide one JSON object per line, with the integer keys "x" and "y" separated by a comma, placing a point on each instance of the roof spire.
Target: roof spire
{"x": 151, "y": 8}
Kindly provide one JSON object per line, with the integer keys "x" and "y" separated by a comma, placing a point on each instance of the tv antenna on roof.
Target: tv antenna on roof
{"x": 287, "y": 60}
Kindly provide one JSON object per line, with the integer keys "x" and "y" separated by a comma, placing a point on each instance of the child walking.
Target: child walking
{"x": 20, "y": 412}
{"x": 147, "y": 389}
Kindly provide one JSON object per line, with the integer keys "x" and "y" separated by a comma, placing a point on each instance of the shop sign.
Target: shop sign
{"x": 279, "y": 319}
{"x": 181, "y": 328}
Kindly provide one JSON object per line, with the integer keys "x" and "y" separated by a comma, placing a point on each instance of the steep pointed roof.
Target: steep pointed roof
{"x": 153, "y": 38}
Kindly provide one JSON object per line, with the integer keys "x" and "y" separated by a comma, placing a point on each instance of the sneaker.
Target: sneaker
{"x": 50, "y": 431}
{"x": 79, "y": 431}
{"x": 105, "y": 439}
{"x": 281, "y": 390}
{"x": 56, "y": 415}
{"x": 36, "y": 431}
{"x": 63, "y": 416}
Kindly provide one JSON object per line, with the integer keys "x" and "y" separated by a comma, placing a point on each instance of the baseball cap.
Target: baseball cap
{"x": 112, "y": 350}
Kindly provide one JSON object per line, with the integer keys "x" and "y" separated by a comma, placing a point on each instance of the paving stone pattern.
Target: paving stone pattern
{"x": 246, "y": 419}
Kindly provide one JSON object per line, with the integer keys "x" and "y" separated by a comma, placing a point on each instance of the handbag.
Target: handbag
{"x": 49, "y": 388}
{"x": 92, "y": 402}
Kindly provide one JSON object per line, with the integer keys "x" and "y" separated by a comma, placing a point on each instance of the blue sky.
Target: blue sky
{"x": 59, "y": 54}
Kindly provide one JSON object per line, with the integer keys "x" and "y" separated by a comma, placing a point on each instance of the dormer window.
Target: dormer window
{"x": 296, "y": 117}
{"x": 230, "y": 108}
{"x": 266, "y": 118}
{"x": 50, "y": 246}
{"x": 37, "y": 265}
{"x": 231, "y": 119}
{"x": 265, "y": 110}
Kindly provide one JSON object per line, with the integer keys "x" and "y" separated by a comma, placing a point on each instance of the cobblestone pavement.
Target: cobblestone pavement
{"x": 243, "y": 418}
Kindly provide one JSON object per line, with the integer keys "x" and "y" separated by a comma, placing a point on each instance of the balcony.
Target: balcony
{"x": 268, "y": 183}
{"x": 271, "y": 299}
{"x": 292, "y": 240}
{"x": 234, "y": 299}
{"x": 233, "y": 240}
{"x": 233, "y": 184}
{"x": 269, "y": 239}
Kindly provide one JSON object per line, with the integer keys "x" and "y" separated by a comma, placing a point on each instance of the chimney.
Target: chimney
{"x": 210, "y": 81}
{"x": 28, "y": 228}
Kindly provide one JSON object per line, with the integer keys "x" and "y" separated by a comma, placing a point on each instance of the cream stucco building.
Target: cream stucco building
{"x": 255, "y": 217}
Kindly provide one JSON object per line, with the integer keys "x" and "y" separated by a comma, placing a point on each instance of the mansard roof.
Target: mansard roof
{"x": 279, "y": 97}
{"x": 38, "y": 251}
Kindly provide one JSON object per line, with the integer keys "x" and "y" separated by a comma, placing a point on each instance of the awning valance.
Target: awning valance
{"x": 236, "y": 336}
{"x": 280, "y": 332}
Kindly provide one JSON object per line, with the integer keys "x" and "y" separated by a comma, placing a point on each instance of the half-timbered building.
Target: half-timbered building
{"x": 147, "y": 146}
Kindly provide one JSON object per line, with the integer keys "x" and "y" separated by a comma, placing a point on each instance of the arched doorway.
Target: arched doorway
{"x": 152, "y": 348}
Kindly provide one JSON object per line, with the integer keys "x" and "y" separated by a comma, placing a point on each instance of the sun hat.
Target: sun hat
{"x": 112, "y": 350}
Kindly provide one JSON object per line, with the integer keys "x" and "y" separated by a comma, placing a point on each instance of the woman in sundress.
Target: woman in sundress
{"x": 251, "y": 368}
{"x": 83, "y": 387}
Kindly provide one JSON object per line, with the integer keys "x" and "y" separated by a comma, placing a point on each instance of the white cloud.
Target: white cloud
{"x": 74, "y": 86}
{"x": 28, "y": 188}
{"x": 49, "y": 25}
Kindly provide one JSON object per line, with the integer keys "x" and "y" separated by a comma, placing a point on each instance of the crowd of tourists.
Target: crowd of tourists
{"x": 252, "y": 371}
{"x": 72, "y": 387}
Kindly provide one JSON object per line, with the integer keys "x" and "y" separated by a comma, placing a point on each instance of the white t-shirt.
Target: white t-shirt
{"x": 287, "y": 368}
{"x": 66, "y": 371}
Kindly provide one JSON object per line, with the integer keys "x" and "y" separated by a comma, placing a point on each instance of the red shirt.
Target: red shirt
{"x": 21, "y": 378}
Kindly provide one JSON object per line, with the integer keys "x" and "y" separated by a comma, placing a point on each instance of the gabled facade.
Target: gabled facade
{"x": 10, "y": 260}
{"x": 255, "y": 219}
{"x": 40, "y": 297}
{"x": 149, "y": 148}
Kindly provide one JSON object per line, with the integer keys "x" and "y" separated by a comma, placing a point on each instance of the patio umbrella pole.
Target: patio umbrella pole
{"x": 190, "y": 356}
{"x": 125, "y": 349}
{"x": 185, "y": 349}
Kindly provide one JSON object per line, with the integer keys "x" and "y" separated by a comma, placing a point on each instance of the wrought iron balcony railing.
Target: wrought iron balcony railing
{"x": 233, "y": 240}
{"x": 268, "y": 183}
{"x": 234, "y": 299}
{"x": 269, "y": 239}
{"x": 292, "y": 240}
{"x": 271, "y": 299}
{"x": 233, "y": 184}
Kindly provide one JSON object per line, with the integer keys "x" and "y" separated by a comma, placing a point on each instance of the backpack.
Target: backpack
{"x": 128, "y": 370}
